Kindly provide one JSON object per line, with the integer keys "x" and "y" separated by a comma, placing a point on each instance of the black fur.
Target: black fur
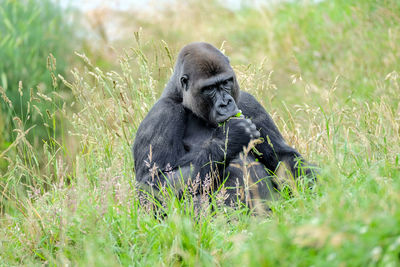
{"x": 181, "y": 133}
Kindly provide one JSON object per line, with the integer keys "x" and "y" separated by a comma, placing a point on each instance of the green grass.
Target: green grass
{"x": 334, "y": 94}
{"x": 30, "y": 30}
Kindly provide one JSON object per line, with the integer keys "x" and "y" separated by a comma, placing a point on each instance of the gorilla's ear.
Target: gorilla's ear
{"x": 184, "y": 82}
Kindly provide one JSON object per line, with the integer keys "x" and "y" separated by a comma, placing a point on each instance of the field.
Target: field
{"x": 327, "y": 72}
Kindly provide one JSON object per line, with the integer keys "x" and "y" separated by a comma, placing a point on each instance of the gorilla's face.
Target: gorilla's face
{"x": 219, "y": 94}
{"x": 208, "y": 83}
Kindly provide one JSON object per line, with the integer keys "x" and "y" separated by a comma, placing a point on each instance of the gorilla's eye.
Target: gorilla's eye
{"x": 209, "y": 91}
{"x": 227, "y": 82}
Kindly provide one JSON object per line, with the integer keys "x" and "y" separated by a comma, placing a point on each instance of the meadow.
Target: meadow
{"x": 327, "y": 72}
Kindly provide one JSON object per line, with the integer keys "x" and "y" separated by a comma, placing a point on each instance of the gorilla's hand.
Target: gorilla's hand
{"x": 249, "y": 127}
{"x": 238, "y": 132}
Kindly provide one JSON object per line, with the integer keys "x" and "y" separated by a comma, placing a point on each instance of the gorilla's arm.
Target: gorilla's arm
{"x": 158, "y": 139}
{"x": 279, "y": 151}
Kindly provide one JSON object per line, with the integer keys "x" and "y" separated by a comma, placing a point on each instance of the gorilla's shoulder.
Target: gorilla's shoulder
{"x": 251, "y": 107}
{"x": 246, "y": 97}
{"x": 166, "y": 107}
{"x": 167, "y": 115}
{"x": 248, "y": 100}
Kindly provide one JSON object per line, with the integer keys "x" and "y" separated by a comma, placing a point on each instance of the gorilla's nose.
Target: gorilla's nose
{"x": 226, "y": 109}
{"x": 225, "y": 103}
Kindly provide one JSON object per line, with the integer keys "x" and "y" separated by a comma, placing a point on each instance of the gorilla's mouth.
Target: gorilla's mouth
{"x": 224, "y": 114}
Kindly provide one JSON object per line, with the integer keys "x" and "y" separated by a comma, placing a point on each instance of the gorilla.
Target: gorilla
{"x": 200, "y": 127}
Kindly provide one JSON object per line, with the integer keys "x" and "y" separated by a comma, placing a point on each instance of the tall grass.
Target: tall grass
{"x": 29, "y": 31}
{"x": 82, "y": 208}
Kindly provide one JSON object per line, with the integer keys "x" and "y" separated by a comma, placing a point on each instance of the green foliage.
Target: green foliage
{"x": 29, "y": 31}
{"x": 334, "y": 94}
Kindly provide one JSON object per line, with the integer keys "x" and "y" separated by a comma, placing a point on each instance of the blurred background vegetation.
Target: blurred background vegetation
{"x": 30, "y": 31}
{"x": 327, "y": 71}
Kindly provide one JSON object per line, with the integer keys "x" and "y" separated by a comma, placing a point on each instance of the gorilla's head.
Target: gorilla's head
{"x": 206, "y": 82}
